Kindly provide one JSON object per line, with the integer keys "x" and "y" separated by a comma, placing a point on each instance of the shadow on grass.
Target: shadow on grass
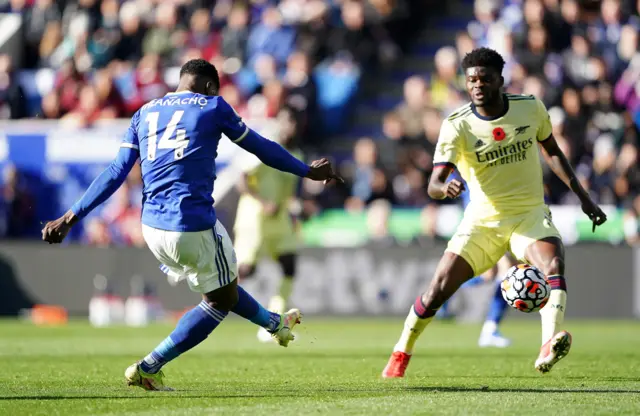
{"x": 516, "y": 390}
{"x": 316, "y": 392}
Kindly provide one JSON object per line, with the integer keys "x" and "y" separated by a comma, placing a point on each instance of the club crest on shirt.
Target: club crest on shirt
{"x": 521, "y": 129}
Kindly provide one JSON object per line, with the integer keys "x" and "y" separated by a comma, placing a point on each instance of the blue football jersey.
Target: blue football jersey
{"x": 177, "y": 137}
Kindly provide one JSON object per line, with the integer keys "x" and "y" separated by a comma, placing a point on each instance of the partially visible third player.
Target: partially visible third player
{"x": 493, "y": 142}
{"x": 264, "y": 226}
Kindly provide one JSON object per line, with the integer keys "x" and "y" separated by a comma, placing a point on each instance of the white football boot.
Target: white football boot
{"x": 493, "y": 339}
{"x": 553, "y": 351}
{"x": 284, "y": 334}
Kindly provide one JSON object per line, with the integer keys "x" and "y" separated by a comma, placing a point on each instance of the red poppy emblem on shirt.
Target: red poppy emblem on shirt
{"x": 499, "y": 134}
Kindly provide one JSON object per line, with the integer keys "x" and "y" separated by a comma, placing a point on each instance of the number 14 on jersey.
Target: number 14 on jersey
{"x": 179, "y": 143}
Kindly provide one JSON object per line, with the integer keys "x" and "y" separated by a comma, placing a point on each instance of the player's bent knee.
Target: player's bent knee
{"x": 224, "y": 298}
{"x": 288, "y": 264}
{"x": 555, "y": 266}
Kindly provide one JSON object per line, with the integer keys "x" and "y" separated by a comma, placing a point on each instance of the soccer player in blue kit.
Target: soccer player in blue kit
{"x": 176, "y": 139}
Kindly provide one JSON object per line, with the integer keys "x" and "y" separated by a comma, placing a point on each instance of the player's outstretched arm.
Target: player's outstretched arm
{"x": 273, "y": 155}
{"x": 562, "y": 168}
{"x": 99, "y": 191}
{"x": 439, "y": 188}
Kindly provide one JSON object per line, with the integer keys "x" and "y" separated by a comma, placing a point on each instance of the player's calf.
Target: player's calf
{"x": 452, "y": 271}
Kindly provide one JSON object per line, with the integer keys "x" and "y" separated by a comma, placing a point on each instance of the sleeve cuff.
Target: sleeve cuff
{"x": 544, "y": 140}
{"x": 239, "y": 139}
{"x": 129, "y": 146}
{"x": 444, "y": 164}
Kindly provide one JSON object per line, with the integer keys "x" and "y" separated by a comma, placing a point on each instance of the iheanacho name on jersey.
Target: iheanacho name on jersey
{"x": 168, "y": 101}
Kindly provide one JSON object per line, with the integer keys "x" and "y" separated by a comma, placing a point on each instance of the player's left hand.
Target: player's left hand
{"x": 321, "y": 170}
{"x": 593, "y": 211}
{"x": 55, "y": 231}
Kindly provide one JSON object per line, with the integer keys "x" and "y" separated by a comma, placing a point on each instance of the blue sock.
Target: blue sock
{"x": 251, "y": 309}
{"x": 498, "y": 306}
{"x": 474, "y": 281}
{"x": 193, "y": 328}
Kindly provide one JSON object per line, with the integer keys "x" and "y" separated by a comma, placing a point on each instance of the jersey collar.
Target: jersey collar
{"x": 179, "y": 92}
{"x": 504, "y": 111}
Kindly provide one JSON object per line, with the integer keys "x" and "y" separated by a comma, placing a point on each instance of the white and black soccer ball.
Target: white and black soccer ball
{"x": 525, "y": 288}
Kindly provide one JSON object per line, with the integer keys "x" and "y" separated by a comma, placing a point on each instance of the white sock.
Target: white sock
{"x": 489, "y": 327}
{"x": 552, "y": 315}
{"x": 413, "y": 327}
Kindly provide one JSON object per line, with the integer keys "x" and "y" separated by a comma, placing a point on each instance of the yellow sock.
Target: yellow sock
{"x": 286, "y": 287}
{"x": 552, "y": 315}
{"x": 413, "y": 327}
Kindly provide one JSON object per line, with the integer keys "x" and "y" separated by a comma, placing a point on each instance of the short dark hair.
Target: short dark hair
{"x": 483, "y": 57}
{"x": 201, "y": 68}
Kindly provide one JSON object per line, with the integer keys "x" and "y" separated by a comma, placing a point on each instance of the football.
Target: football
{"x": 525, "y": 288}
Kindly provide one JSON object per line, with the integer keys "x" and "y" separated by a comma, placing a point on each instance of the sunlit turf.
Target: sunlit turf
{"x": 333, "y": 368}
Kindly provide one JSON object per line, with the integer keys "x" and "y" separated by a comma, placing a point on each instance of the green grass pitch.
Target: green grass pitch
{"x": 333, "y": 369}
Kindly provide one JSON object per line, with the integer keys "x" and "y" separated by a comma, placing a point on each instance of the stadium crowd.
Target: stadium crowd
{"x": 109, "y": 57}
{"x": 581, "y": 59}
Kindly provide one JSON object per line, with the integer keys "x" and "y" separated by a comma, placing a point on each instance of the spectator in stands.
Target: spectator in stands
{"x": 631, "y": 222}
{"x": 301, "y": 88}
{"x": 232, "y": 96}
{"x": 354, "y": 42}
{"x": 123, "y": 217}
{"x": 414, "y": 105}
{"x": 393, "y": 149}
{"x": 235, "y": 35}
{"x": 201, "y": 36}
{"x": 369, "y": 182}
{"x": 313, "y": 30}
{"x": 109, "y": 98}
{"x": 317, "y": 197}
{"x": 16, "y": 205}
{"x": 378, "y": 217}
{"x": 464, "y": 44}
{"x": 102, "y": 47}
{"x": 270, "y": 37}
{"x": 36, "y": 21}
{"x": 74, "y": 45}
{"x": 577, "y": 60}
{"x": 67, "y": 85}
{"x": 12, "y": 102}
{"x": 87, "y": 111}
{"x": 85, "y": 10}
{"x": 486, "y": 13}
{"x": 575, "y": 121}
{"x": 96, "y": 233}
{"x": 51, "y": 106}
{"x": 164, "y": 38}
{"x": 129, "y": 47}
{"x": 533, "y": 57}
{"x": 626, "y": 50}
{"x": 149, "y": 81}
{"x": 446, "y": 83}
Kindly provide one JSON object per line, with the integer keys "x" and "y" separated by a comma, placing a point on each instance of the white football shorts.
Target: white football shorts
{"x": 206, "y": 259}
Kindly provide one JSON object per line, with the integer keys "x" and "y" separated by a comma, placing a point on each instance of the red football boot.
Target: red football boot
{"x": 397, "y": 365}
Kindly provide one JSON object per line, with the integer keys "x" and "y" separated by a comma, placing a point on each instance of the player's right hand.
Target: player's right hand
{"x": 55, "y": 231}
{"x": 453, "y": 188}
{"x": 321, "y": 170}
